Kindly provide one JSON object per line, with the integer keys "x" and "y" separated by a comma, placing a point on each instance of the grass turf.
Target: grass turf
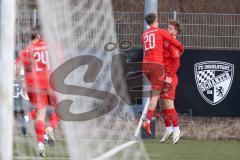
{"x": 193, "y": 150}
{"x": 185, "y": 150}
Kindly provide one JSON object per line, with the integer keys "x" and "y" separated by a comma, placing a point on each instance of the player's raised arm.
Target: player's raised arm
{"x": 172, "y": 40}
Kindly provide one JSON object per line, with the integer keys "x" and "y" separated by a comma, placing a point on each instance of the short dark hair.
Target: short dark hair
{"x": 150, "y": 18}
{"x": 35, "y": 31}
{"x": 176, "y": 24}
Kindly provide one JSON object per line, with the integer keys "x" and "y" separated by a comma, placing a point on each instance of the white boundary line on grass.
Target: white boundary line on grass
{"x": 58, "y": 158}
{"x": 94, "y": 140}
{"x": 115, "y": 150}
{"x": 128, "y": 143}
{"x": 40, "y": 158}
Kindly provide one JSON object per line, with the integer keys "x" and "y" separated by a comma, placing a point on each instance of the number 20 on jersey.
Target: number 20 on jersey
{"x": 149, "y": 41}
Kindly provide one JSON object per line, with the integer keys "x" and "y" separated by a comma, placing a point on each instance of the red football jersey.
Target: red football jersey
{"x": 152, "y": 39}
{"x": 171, "y": 58}
{"x": 35, "y": 61}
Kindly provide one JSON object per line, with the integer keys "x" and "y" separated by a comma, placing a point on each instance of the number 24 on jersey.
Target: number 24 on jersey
{"x": 42, "y": 60}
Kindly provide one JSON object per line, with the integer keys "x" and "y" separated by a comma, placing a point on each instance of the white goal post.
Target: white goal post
{"x": 7, "y": 40}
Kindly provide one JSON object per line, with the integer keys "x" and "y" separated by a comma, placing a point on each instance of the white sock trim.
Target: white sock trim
{"x": 176, "y": 129}
{"x": 45, "y": 137}
{"x": 169, "y": 129}
{"x": 40, "y": 144}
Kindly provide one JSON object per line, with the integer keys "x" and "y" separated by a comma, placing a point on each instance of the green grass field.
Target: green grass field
{"x": 185, "y": 150}
{"x": 193, "y": 150}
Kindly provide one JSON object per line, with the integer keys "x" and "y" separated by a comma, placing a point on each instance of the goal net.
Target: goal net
{"x": 95, "y": 122}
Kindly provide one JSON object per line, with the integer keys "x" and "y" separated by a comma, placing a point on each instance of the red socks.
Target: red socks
{"x": 170, "y": 117}
{"x": 40, "y": 125}
{"x": 40, "y": 130}
{"x": 32, "y": 114}
{"x": 54, "y": 120}
{"x": 166, "y": 118}
{"x": 150, "y": 114}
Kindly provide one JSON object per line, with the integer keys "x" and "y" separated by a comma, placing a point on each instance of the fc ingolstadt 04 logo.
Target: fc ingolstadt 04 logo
{"x": 214, "y": 79}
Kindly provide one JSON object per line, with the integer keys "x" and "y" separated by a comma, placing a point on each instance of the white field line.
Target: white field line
{"x": 60, "y": 158}
{"x": 124, "y": 145}
{"x": 52, "y": 158}
{"x": 129, "y": 143}
{"x": 115, "y": 150}
{"x": 79, "y": 139}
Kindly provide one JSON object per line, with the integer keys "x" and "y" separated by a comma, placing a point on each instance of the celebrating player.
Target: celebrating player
{"x": 171, "y": 59}
{"x": 152, "y": 40}
{"x": 34, "y": 60}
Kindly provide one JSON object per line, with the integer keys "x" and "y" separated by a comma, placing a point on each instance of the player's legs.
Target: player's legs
{"x": 150, "y": 113}
{"x": 167, "y": 118}
{"x": 40, "y": 101}
{"x": 31, "y": 115}
{"x": 151, "y": 110}
{"x": 40, "y": 129}
{"x": 40, "y": 124}
{"x": 53, "y": 120}
{"x": 169, "y": 112}
{"x": 155, "y": 75}
{"x": 170, "y": 119}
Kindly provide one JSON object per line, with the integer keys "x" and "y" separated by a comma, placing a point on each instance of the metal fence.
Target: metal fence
{"x": 24, "y": 22}
{"x": 199, "y": 30}
{"x": 210, "y": 31}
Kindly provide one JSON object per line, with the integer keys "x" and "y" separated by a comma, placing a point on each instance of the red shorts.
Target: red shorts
{"x": 37, "y": 81}
{"x": 155, "y": 74}
{"x": 171, "y": 94}
{"x": 41, "y": 99}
